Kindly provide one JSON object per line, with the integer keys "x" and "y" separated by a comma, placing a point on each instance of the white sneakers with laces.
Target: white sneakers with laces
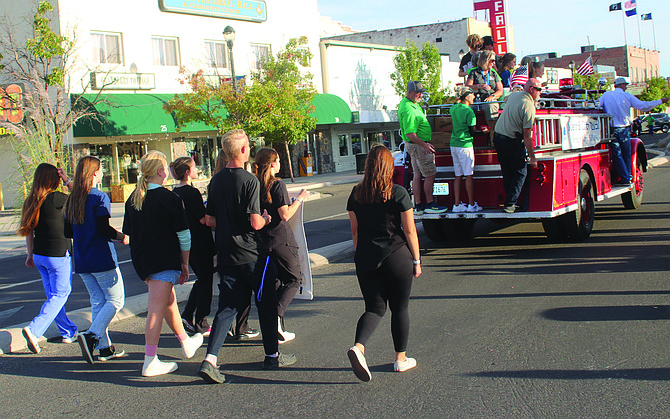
{"x": 190, "y": 345}
{"x": 154, "y": 366}
{"x": 474, "y": 208}
{"x": 459, "y": 208}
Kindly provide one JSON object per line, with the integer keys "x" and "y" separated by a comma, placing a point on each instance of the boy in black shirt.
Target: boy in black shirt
{"x": 233, "y": 209}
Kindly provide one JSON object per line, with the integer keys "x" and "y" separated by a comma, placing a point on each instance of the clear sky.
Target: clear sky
{"x": 561, "y": 26}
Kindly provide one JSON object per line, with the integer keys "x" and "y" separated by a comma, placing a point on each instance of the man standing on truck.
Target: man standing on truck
{"x": 513, "y": 140}
{"x": 417, "y": 133}
{"x": 617, "y": 103}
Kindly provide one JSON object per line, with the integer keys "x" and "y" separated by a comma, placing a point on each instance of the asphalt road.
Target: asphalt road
{"x": 508, "y": 325}
{"x": 326, "y": 223}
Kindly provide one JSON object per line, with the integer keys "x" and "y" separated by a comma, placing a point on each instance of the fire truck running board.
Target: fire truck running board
{"x": 615, "y": 191}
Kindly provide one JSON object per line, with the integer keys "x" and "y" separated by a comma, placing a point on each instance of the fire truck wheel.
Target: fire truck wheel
{"x": 579, "y": 223}
{"x": 633, "y": 199}
{"x": 458, "y": 230}
{"x": 434, "y": 231}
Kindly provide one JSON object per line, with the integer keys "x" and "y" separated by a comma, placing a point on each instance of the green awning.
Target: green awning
{"x": 131, "y": 114}
{"x": 331, "y": 109}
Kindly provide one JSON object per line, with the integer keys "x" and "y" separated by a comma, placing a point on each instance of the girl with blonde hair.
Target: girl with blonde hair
{"x": 387, "y": 257}
{"x": 278, "y": 235}
{"x": 89, "y": 211}
{"x": 49, "y": 250}
{"x": 160, "y": 242}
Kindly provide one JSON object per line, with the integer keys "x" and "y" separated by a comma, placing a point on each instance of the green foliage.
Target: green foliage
{"x": 276, "y": 104}
{"x": 657, "y": 88}
{"x": 47, "y": 45}
{"x": 590, "y": 82}
{"x": 425, "y": 66}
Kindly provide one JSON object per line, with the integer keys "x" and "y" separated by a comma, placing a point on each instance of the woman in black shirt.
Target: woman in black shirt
{"x": 201, "y": 258}
{"x": 387, "y": 257}
{"x": 49, "y": 250}
{"x": 278, "y": 235}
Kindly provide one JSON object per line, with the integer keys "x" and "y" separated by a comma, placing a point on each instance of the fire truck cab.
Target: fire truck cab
{"x": 575, "y": 169}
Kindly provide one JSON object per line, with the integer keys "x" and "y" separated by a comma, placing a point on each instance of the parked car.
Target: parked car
{"x": 661, "y": 122}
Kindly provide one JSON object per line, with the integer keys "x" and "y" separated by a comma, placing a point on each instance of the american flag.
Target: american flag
{"x": 586, "y": 69}
{"x": 520, "y": 76}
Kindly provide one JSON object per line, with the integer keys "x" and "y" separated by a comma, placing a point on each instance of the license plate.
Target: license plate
{"x": 440, "y": 189}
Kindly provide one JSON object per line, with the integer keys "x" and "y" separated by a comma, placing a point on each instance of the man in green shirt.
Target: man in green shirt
{"x": 416, "y": 133}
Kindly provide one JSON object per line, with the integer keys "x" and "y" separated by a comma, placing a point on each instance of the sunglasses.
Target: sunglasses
{"x": 537, "y": 89}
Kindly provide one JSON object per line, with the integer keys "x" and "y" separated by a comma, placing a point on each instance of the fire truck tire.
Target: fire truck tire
{"x": 554, "y": 229}
{"x": 633, "y": 199}
{"x": 579, "y": 223}
{"x": 434, "y": 231}
{"x": 458, "y": 230}
{"x": 665, "y": 128}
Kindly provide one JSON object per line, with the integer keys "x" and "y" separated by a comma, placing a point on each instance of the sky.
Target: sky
{"x": 561, "y": 26}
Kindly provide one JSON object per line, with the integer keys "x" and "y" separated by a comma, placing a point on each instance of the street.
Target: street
{"x": 507, "y": 325}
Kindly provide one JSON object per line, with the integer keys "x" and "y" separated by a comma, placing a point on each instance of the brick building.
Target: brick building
{"x": 636, "y": 63}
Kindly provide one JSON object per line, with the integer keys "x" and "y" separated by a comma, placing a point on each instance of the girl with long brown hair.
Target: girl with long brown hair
{"x": 278, "y": 235}
{"x": 89, "y": 211}
{"x": 201, "y": 257}
{"x": 387, "y": 257}
{"x": 49, "y": 250}
{"x": 160, "y": 242}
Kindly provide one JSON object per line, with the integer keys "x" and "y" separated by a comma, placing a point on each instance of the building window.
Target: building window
{"x": 259, "y": 53}
{"x": 344, "y": 146}
{"x": 165, "y": 51}
{"x": 216, "y": 54}
{"x": 106, "y": 48}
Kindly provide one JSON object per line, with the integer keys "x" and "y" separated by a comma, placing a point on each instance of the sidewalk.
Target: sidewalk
{"x": 13, "y": 245}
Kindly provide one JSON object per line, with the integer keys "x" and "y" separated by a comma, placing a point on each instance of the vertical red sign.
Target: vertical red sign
{"x": 11, "y": 104}
{"x": 498, "y": 22}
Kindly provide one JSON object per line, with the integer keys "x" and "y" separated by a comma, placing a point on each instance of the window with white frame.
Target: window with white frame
{"x": 217, "y": 57}
{"x": 106, "y": 47}
{"x": 259, "y": 53}
{"x": 166, "y": 51}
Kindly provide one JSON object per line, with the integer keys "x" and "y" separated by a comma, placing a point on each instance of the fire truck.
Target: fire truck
{"x": 575, "y": 169}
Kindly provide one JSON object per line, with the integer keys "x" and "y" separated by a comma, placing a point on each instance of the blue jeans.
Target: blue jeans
{"x": 620, "y": 147}
{"x": 259, "y": 276}
{"x": 512, "y": 159}
{"x": 107, "y": 297}
{"x": 56, "y": 275}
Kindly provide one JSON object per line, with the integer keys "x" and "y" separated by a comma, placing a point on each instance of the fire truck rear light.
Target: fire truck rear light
{"x": 566, "y": 83}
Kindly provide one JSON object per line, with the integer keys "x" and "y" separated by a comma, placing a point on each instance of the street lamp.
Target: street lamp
{"x": 229, "y": 37}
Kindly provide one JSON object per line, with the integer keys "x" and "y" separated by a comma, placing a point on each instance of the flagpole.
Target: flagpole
{"x": 639, "y": 37}
{"x": 653, "y": 31}
{"x": 623, "y": 22}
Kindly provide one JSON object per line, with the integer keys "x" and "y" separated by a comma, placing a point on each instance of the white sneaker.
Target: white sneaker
{"x": 282, "y": 335}
{"x": 71, "y": 339}
{"x": 153, "y": 366}
{"x": 358, "y": 364}
{"x": 31, "y": 340}
{"x": 474, "y": 208}
{"x": 190, "y": 345}
{"x": 402, "y": 366}
{"x": 459, "y": 208}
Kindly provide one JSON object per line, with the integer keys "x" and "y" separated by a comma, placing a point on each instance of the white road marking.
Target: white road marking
{"x": 326, "y": 218}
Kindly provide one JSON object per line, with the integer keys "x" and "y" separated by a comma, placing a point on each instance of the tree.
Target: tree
{"x": 425, "y": 66}
{"x": 275, "y": 105}
{"x": 39, "y": 70}
{"x": 657, "y": 88}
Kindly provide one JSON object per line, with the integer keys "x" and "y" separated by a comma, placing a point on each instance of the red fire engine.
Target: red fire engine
{"x": 575, "y": 169}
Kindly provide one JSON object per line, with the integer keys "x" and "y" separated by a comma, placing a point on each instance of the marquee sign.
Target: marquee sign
{"x": 498, "y": 21}
{"x": 249, "y": 10}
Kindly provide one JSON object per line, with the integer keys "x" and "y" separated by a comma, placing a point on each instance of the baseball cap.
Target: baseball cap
{"x": 487, "y": 40}
{"x": 415, "y": 86}
{"x": 621, "y": 80}
{"x": 464, "y": 92}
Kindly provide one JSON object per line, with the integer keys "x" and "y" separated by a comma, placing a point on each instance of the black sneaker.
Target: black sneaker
{"x": 203, "y": 327}
{"x": 210, "y": 373}
{"x": 274, "y": 362}
{"x": 110, "y": 353}
{"x": 188, "y": 325}
{"x": 249, "y": 334}
{"x": 88, "y": 341}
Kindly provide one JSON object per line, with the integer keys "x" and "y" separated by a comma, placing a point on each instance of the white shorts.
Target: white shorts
{"x": 464, "y": 160}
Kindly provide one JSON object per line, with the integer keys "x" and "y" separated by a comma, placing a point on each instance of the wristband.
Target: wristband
{"x": 299, "y": 200}
{"x": 417, "y": 262}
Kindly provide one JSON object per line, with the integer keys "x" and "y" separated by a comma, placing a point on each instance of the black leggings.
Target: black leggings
{"x": 390, "y": 283}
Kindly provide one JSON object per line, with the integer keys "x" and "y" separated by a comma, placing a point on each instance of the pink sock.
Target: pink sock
{"x": 182, "y": 337}
{"x": 150, "y": 350}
